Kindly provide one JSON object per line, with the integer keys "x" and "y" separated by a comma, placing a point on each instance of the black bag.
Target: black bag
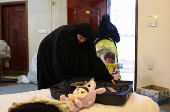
{"x": 116, "y": 94}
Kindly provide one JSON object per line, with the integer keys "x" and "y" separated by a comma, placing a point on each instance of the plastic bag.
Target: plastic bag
{"x": 23, "y": 79}
{"x": 32, "y": 74}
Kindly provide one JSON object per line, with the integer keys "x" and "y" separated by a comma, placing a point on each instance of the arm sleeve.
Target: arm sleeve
{"x": 58, "y": 58}
{"x": 97, "y": 33}
{"x": 98, "y": 67}
{"x": 116, "y": 35}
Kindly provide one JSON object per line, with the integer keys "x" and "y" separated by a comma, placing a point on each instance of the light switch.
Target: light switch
{"x": 150, "y": 67}
{"x": 152, "y": 24}
{"x": 42, "y": 31}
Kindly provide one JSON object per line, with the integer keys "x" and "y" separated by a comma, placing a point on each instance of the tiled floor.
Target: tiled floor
{"x": 7, "y": 84}
{"x": 165, "y": 107}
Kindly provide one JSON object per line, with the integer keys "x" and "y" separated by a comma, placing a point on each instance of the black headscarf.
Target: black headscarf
{"x": 60, "y": 56}
{"x": 106, "y": 24}
{"x": 107, "y": 30}
{"x": 85, "y": 30}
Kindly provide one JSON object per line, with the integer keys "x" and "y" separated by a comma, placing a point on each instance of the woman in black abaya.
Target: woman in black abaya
{"x": 69, "y": 51}
{"x": 107, "y": 30}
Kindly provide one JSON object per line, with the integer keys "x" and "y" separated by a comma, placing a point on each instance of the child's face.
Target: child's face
{"x": 109, "y": 60}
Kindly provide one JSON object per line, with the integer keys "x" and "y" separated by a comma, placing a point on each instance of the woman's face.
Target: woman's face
{"x": 81, "y": 39}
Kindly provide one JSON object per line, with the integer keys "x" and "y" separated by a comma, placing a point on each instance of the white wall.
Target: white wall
{"x": 10, "y": 0}
{"x": 39, "y": 19}
{"x": 59, "y": 13}
{"x": 153, "y": 43}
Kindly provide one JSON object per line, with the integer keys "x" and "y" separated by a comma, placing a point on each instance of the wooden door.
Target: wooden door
{"x": 86, "y": 11}
{"x": 14, "y": 33}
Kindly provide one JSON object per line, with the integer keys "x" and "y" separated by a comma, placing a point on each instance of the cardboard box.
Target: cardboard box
{"x": 158, "y": 94}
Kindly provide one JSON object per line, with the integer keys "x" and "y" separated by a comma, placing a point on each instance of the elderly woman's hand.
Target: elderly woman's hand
{"x": 113, "y": 81}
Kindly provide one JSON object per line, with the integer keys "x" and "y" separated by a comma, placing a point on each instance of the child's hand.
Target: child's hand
{"x": 115, "y": 69}
{"x": 116, "y": 76}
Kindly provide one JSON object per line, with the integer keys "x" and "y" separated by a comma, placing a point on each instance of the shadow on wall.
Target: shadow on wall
{"x": 147, "y": 80}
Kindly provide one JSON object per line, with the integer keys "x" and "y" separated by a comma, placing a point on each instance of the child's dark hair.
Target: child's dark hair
{"x": 109, "y": 54}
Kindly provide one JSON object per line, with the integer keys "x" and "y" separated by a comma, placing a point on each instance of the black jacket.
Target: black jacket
{"x": 107, "y": 30}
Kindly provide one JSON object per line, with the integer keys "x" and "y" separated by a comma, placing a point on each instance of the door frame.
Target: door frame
{"x": 26, "y": 32}
{"x": 136, "y": 43}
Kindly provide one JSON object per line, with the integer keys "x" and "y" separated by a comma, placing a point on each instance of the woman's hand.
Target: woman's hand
{"x": 113, "y": 81}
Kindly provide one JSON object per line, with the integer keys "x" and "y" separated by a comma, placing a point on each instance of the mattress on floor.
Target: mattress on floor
{"x": 136, "y": 102}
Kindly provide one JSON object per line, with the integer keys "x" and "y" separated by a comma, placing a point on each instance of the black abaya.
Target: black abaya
{"x": 107, "y": 30}
{"x": 60, "y": 56}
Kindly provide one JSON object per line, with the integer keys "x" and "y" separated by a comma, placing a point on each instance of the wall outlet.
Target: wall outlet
{"x": 150, "y": 67}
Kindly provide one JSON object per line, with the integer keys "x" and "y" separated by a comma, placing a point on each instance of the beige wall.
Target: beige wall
{"x": 153, "y": 43}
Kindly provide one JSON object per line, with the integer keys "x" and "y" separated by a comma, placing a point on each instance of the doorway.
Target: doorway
{"x": 86, "y": 11}
{"x": 122, "y": 14}
{"x": 14, "y": 30}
